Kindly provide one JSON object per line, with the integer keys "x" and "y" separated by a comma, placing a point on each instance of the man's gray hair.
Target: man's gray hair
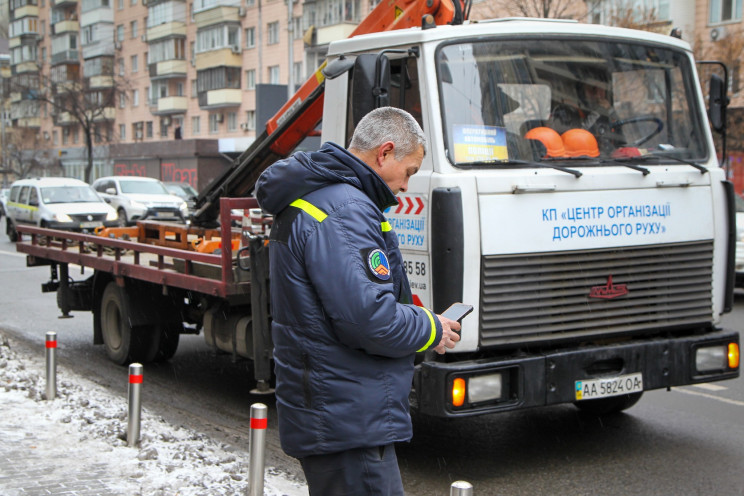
{"x": 389, "y": 124}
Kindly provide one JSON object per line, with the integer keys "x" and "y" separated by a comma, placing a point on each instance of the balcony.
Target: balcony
{"x": 336, "y": 32}
{"x": 172, "y": 105}
{"x": 108, "y": 114}
{"x": 215, "y": 99}
{"x": 168, "y": 69}
{"x": 168, "y": 29}
{"x": 64, "y": 3}
{"x": 218, "y": 58}
{"x": 66, "y": 57}
{"x": 24, "y": 68}
{"x": 30, "y": 122}
{"x": 216, "y": 15}
{"x": 66, "y": 26}
{"x": 98, "y": 82}
{"x": 25, "y": 11}
{"x": 64, "y": 119}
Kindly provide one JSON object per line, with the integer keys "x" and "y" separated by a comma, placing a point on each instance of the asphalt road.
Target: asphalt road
{"x": 689, "y": 441}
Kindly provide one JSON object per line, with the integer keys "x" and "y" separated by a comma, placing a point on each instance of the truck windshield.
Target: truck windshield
{"x": 587, "y": 102}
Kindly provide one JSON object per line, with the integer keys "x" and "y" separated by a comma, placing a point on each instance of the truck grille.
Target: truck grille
{"x": 545, "y": 297}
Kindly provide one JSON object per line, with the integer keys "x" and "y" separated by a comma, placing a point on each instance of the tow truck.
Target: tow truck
{"x": 599, "y": 256}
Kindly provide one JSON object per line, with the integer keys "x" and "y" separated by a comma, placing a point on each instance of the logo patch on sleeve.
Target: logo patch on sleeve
{"x": 378, "y": 264}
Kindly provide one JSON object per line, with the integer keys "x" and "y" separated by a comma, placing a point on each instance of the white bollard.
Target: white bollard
{"x": 259, "y": 422}
{"x": 461, "y": 488}
{"x": 51, "y": 365}
{"x": 135, "y": 404}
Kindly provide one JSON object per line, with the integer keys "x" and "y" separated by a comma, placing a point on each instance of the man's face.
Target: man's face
{"x": 396, "y": 173}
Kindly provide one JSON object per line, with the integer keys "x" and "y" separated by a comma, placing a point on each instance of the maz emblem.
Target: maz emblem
{"x": 608, "y": 291}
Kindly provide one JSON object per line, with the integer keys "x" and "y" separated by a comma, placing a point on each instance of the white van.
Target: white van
{"x": 56, "y": 203}
{"x": 140, "y": 198}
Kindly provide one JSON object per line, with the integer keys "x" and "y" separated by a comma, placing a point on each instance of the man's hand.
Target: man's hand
{"x": 449, "y": 336}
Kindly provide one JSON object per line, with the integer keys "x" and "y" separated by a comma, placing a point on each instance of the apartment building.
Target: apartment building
{"x": 183, "y": 85}
{"x": 179, "y": 82}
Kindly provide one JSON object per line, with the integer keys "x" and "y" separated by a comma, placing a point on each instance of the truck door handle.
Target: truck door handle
{"x": 533, "y": 188}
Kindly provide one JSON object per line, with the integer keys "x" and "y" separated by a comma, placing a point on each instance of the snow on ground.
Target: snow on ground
{"x": 170, "y": 460}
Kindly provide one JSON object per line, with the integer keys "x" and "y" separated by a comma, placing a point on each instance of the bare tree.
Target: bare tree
{"x": 87, "y": 103}
{"x": 557, "y": 9}
{"x": 23, "y": 156}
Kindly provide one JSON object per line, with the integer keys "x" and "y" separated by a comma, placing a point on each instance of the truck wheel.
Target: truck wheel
{"x": 608, "y": 406}
{"x": 124, "y": 343}
{"x": 10, "y": 230}
{"x": 169, "y": 336}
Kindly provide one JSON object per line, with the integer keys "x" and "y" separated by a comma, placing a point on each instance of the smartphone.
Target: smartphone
{"x": 457, "y": 311}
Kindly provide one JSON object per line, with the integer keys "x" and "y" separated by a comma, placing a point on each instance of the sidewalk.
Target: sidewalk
{"x": 76, "y": 444}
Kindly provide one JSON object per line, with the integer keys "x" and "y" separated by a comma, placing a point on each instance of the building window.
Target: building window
{"x": 250, "y": 79}
{"x": 135, "y": 98}
{"x": 122, "y": 100}
{"x": 120, "y": 32}
{"x": 133, "y": 28}
{"x": 135, "y": 64}
{"x": 120, "y": 4}
{"x": 65, "y": 135}
{"x": 214, "y": 123}
{"x": 179, "y": 89}
{"x": 297, "y": 73}
{"x": 297, "y": 28}
{"x": 121, "y": 67}
{"x": 148, "y": 128}
{"x": 195, "y": 125}
{"x": 232, "y": 121}
{"x": 216, "y": 37}
{"x": 55, "y": 138}
{"x": 250, "y": 119}
{"x": 250, "y": 37}
{"x": 725, "y": 10}
{"x": 194, "y": 91}
{"x": 122, "y": 132}
{"x": 274, "y": 74}
{"x": 273, "y": 33}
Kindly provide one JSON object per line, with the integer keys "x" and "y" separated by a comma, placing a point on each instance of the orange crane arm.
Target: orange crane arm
{"x": 303, "y": 112}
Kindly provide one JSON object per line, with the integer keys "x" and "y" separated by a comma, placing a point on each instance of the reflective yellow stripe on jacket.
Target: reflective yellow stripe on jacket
{"x": 433, "y": 334}
{"x": 309, "y": 209}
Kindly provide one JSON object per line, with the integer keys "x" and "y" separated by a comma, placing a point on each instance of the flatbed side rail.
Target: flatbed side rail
{"x": 143, "y": 261}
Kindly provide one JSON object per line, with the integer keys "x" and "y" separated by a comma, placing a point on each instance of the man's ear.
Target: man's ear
{"x": 385, "y": 152}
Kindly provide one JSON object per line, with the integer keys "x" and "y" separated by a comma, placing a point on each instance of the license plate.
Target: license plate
{"x": 610, "y": 386}
{"x": 87, "y": 225}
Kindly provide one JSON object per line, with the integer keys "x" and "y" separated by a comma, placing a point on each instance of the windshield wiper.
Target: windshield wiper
{"x": 660, "y": 155}
{"x": 624, "y": 162}
{"x": 544, "y": 165}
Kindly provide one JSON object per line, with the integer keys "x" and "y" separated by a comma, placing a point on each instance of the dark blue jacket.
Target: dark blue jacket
{"x": 345, "y": 334}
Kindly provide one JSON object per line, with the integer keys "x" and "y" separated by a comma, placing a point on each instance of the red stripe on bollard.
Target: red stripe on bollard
{"x": 257, "y": 423}
{"x": 135, "y": 379}
{"x": 51, "y": 344}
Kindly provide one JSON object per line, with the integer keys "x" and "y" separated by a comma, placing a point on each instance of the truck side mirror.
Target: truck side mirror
{"x": 370, "y": 85}
{"x": 717, "y": 103}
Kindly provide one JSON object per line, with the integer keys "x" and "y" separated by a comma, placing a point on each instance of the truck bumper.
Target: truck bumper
{"x": 549, "y": 378}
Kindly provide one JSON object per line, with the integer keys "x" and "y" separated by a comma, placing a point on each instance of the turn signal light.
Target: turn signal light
{"x": 458, "y": 391}
{"x": 733, "y": 355}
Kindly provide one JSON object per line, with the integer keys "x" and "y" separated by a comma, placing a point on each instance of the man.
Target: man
{"x": 345, "y": 332}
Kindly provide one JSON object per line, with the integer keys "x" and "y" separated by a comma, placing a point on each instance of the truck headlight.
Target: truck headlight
{"x": 477, "y": 389}
{"x": 62, "y": 217}
{"x": 715, "y": 358}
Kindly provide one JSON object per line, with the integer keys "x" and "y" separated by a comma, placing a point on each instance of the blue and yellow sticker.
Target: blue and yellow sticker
{"x": 476, "y": 143}
{"x": 378, "y": 264}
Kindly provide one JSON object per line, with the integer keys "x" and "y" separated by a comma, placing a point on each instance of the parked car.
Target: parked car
{"x": 3, "y": 200}
{"x": 57, "y": 203}
{"x": 739, "y": 241}
{"x": 140, "y": 198}
{"x": 185, "y": 191}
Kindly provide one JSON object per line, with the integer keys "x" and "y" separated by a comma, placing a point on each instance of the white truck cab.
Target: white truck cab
{"x": 570, "y": 193}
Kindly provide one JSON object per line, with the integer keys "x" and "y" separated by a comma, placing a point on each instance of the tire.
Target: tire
{"x": 123, "y": 220}
{"x": 170, "y": 334}
{"x": 10, "y": 230}
{"x": 124, "y": 343}
{"x": 608, "y": 406}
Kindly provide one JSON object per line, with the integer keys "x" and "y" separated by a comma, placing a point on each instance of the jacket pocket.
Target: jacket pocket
{"x": 306, "y": 380}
